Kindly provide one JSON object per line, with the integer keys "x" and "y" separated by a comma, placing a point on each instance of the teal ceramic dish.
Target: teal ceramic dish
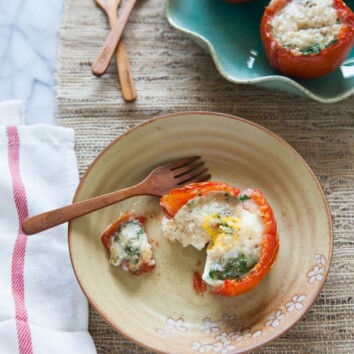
{"x": 230, "y": 33}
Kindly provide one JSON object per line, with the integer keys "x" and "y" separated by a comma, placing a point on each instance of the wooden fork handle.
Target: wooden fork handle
{"x": 100, "y": 65}
{"x": 58, "y": 216}
{"x": 126, "y": 80}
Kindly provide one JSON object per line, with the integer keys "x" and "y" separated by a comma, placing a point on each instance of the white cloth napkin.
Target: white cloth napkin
{"x": 42, "y": 308}
{"x": 11, "y": 113}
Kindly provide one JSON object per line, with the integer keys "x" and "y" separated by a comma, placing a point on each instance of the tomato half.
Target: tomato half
{"x": 307, "y": 66}
{"x": 108, "y": 235}
{"x": 175, "y": 200}
{"x": 270, "y": 248}
{"x": 270, "y": 244}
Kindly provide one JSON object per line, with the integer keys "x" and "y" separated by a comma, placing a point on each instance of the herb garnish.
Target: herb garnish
{"x": 234, "y": 269}
{"x": 334, "y": 41}
{"x": 244, "y": 197}
{"x": 311, "y": 49}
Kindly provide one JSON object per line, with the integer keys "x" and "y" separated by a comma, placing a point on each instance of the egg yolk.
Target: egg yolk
{"x": 222, "y": 230}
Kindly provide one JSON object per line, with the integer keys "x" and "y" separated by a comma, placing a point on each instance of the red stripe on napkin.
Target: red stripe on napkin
{"x": 19, "y": 253}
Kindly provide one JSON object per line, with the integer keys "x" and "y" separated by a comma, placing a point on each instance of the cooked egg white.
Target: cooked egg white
{"x": 306, "y": 26}
{"x": 233, "y": 231}
{"x": 130, "y": 244}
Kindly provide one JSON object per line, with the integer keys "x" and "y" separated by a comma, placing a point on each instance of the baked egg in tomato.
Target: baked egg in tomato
{"x": 238, "y": 230}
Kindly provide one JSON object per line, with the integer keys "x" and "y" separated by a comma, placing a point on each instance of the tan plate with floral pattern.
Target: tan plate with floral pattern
{"x": 160, "y": 310}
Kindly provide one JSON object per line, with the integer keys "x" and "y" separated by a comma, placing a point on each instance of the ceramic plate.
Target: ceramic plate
{"x": 230, "y": 33}
{"x": 160, "y": 310}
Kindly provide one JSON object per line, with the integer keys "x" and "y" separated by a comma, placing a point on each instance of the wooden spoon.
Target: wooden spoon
{"x": 103, "y": 59}
{"x": 110, "y": 7}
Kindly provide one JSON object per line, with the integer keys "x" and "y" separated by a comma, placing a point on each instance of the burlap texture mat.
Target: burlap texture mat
{"x": 173, "y": 74}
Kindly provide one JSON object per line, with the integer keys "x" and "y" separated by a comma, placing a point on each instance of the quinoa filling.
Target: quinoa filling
{"x": 306, "y": 26}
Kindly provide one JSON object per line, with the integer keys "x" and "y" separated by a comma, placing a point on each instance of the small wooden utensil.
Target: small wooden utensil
{"x": 100, "y": 65}
{"x": 127, "y": 85}
{"x": 159, "y": 182}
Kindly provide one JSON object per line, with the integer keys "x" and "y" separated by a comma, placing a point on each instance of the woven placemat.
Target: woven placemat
{"x": 173, "y": 74}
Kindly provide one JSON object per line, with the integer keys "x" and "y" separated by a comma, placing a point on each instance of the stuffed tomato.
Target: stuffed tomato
{"x": 239, "y": 230}
{"x": 128, "y": 244}
{"x": 307, "y": 38}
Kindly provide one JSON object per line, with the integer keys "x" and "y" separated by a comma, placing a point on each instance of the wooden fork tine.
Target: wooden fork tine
{"x": 193, "y": 175}
{"x": 188, "y": 168}
{"x": 192, "y": 172}
{"x": 177, "y": 164}
{"x": 202, "y": 178}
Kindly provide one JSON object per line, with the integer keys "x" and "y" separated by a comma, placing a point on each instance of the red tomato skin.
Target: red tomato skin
{"x": 144, "y": 268}
{"x": 270, "y": 246}
{"x": 307, "y": 66}
{"x": 198, "y": 283}
{"x": 174, "y": 201}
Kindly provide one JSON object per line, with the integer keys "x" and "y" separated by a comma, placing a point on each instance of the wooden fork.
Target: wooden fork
{"x": 159, "y": 182}
{"x": 127, "y": 85}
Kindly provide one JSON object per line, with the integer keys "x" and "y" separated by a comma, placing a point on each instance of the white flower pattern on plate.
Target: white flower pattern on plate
{"x": 175, "y": 326}
{"x": 320, "y": 260}
{"x": 201, "y": 347}
{"x": 241, "y": 334}
{"x": 256, "y": 334}
{"x": 229, "y": 329}
{"x": 222, "y": 339}
{"x": 222, "y": 336}
{"x": 316, "y": 274}
{"x": 275, "y": 319}
{"x": 209, "y": 327}
{"x": 295, "y": 303}
{"x": 223, "y": 347}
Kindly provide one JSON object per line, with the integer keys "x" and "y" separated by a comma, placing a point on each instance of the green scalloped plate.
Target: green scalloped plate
{"x": 230, "y": 33}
